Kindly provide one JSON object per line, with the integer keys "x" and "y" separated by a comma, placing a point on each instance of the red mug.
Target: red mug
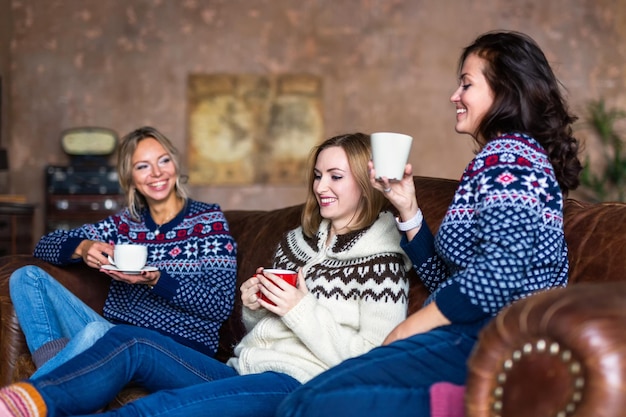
{"x": 286, "y": 275}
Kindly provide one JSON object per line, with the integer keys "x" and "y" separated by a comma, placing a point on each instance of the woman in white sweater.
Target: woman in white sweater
{"x": 352, "y": 290}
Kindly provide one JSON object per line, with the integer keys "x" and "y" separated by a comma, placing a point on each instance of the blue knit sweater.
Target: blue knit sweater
{"x": 196, "y": 256}
{"x": 501, "y": 238}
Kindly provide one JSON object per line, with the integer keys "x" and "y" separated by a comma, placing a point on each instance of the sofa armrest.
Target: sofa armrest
{"x": 560, "y": 352}
{"x": 87, "y": 283}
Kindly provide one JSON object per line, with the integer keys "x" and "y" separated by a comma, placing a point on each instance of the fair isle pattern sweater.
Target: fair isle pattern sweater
{"x": 501, "y": 238}
{"x": 196, "y": 256}
{"x": 358, "y": 292}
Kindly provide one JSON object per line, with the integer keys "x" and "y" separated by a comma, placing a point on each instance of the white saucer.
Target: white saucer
{"x": 145, "y": 268}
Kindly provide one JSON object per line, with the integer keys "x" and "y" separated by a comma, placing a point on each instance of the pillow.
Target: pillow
{"x": 446, "y": 400}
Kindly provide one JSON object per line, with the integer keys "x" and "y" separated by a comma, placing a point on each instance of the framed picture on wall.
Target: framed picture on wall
{"x": 252, "y": 128}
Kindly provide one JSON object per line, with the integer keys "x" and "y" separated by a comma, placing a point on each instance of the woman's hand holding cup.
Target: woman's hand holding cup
{"x": 400, "y": 193}
{"x": 278, "y": 290}
{"x": 250, "y": 291}
{"x": 94, "y": 253}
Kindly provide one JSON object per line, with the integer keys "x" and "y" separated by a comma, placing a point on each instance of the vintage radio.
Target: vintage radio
{"x": 86, "y": 190}
{"x": 89, "y": 149}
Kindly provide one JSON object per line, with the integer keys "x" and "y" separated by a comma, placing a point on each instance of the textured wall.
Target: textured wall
{"x": 5, "y": 34}
{"x": 385, "y": 64}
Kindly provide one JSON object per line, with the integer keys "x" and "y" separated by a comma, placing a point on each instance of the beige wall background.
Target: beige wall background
{"x": 5, "y": 34}
{"x": 385, "y": 65}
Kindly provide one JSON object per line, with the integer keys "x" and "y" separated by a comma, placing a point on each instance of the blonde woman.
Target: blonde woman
{"x": 186, "y": 295}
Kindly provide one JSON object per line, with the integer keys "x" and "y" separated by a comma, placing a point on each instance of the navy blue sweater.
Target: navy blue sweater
{"x": 501, "y": 238}
{"x": 197, "y": 258}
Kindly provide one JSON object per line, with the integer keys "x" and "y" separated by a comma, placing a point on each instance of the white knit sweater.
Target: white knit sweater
{"x": 358, "y": 292}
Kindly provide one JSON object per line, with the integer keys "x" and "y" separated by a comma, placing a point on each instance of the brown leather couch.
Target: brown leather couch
{"x": 558, "y": 353}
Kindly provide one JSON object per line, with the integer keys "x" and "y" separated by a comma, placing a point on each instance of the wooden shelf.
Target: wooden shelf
{"x": 12, "y": 198}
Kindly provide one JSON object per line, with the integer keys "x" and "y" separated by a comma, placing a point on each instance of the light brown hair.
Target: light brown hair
{"x": 358, "y": 151}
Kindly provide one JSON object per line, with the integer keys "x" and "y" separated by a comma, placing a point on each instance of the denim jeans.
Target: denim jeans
{"x": 392, "y": 380}
{"x": 47, "y": 311}
{"x": 183, "y": 381}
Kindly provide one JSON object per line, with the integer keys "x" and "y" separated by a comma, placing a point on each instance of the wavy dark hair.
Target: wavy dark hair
{"x": 527, "y": 99}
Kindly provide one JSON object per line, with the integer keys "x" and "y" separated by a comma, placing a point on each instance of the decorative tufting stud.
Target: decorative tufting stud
{"x": 540, "y": 346}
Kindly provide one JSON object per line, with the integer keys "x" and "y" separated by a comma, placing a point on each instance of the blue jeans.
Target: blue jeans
{"x": 47, "y": 311}
{"x": 392, "y": 380}
{"x": 184, "y": 382}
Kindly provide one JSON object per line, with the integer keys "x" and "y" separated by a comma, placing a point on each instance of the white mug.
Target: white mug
{"x": 390, "y": 153}
{"x": 129, "y": 257}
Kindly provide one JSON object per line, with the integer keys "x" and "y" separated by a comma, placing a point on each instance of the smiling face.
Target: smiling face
{"x": 473, "y": 98}
{"x": 153, "y": 172}
{"x": 336, "y": 189}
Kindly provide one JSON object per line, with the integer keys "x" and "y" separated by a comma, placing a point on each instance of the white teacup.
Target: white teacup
{"x": 129, "y": 257}
{"x": 390, "y": 153}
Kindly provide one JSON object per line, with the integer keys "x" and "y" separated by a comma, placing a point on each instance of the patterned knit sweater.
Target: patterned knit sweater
{"x": 501, "y": 238}
{"x": 196, "y": 256}
{"x": 358, "y": 291}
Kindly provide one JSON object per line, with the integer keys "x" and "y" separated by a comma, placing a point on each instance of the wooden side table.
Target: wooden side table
{"x": 16, "y": 227}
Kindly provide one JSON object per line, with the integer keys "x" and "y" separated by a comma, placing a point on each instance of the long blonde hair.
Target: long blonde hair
{"x": 135, "y": 200}
{"x": 358, "y": 150}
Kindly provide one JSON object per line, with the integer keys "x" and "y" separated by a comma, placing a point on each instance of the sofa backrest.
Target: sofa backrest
{"x": 596, "y": 239}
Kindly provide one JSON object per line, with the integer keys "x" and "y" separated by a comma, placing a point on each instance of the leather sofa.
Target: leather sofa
{"x": 561, "y": 352}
